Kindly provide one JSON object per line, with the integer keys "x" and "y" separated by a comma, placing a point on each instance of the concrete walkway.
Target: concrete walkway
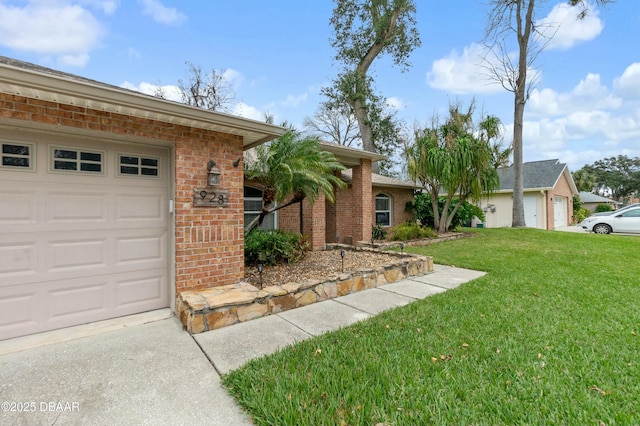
{"x": 155, "y": 373}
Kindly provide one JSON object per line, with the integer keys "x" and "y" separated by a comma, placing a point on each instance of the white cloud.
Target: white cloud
{"x": 628, "y": 84}
{"x": 162, "y": 14}
{"x": 462, "y": 74}
{"x": 58, "y": 28}
{"x": 396, "y": 103}
{"x": 565, "y": 29}
{"x": 248, "y": 111}
{"x": 170, "y": 92}
{"x": 588, "y": 95}
{"x": 294, "y": 101}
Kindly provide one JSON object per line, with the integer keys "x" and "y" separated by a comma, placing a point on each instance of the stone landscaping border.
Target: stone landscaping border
{"x": 218, "y": 307}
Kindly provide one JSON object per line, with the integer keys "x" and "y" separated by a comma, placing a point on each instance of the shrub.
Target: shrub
{"x": 424, "y": 211}
{"x": 270, "y": 247}
{"x": 580, "y": 214}
{"x": 410, "y": 231}
{"x": 603, "y": 208}
{"x": 378, "y": 233}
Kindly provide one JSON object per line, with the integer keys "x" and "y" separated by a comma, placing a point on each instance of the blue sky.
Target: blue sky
{"x": 277, "y": 57}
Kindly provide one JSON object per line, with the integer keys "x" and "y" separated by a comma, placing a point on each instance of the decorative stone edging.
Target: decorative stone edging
{"x": 420, "y": 242}
{"x": 219, "y": 307}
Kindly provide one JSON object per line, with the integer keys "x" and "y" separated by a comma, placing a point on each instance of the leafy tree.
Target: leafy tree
{"x": 449, "y": 158}
{"x": 584, "y": 180}
{"x": 386, "y": 128}
{"x": 518, "y": 18}
{"x": 618, "y": 176}
{"x": 291, "y": 168}
{"x": 423, "y": 209}
{"x": 362, "y": 31}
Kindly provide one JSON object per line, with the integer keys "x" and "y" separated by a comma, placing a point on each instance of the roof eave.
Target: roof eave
{"x": 32, "y": 84}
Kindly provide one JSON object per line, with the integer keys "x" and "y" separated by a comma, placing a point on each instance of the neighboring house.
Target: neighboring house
{"x": 99, "y": 195}
{"x": 548, "y": 196}
{"x": 591, "y": 201}
{"x": 368, "y": 200}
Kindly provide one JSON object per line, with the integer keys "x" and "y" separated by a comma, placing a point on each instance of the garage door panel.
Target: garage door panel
{"x": 77, "y": 299}
{"x": 153, "y": 207}
{"x": 16, "y": 310}
{"x": 17, "y": 208}
{"x": 146, "y": 291}
{"x": 64, "y": 207}
{"x": 76, "y": 254}
{"x": 18, "y": 260}
{"x": 141, "y": 250}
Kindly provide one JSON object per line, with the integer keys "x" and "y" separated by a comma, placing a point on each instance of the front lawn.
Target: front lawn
{"x": 548, "y": 336}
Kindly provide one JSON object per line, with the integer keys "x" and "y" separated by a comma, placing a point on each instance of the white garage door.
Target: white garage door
{"x": 84, "y": 232}
{"x": 559, "y": 211}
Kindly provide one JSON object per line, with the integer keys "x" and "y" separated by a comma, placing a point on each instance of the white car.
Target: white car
{"x": 627, "y": 221}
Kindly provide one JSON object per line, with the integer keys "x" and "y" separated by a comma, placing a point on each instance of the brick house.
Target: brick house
{"x": 106, "y": 208}
{"x": 368, "y": 200}
{"x": 548, "y": 196}
{"x": 99, "y": 189}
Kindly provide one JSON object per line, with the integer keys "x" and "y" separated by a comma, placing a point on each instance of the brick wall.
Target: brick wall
{"x": 209, "y": 242}
{"x": 399, "y": 198}
{"x": 361, "y": 201}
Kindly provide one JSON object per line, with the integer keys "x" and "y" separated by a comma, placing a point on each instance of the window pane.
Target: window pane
{"x": 128, "y": 170}
{"x": 382, "y": 218}
{"x": 15, "y": 162}
{"x": 252, "y": 205}
{"x": 149, "y": 162}
{"x": 90, "y": 167}
{"x": 15, "y": 149}
{"x": 148, "y": 172}
{"x": 63, "y": 153}
{"x": 382, "y": 203}
{"x": 128, "y": 160}
{"x": 91, "y": 156}
{"x": 65, "y": 165}
{"x": 252, "y": 192}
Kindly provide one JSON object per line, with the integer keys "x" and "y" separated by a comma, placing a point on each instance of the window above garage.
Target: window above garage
{"x": 65, "y": 159}
{"x": 17, "y": 156}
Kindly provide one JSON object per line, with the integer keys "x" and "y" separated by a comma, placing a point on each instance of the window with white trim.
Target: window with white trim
{"x": 253, "y": 207}
{"x": 76, "y": 160}
{"x": 383, "y": 210}
{"x": 134, "y": 165}
{"x": 16, "y": 155}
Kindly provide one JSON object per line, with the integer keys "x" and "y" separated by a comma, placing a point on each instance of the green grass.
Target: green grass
{"x": 548, "y": 336}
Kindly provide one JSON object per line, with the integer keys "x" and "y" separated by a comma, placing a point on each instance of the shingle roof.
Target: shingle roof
{"x": 537, "y": 175}
{"x": 588, "y": 197}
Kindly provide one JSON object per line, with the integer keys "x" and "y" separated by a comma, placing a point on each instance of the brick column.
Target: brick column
{"x": 313, "y": 222}
{"x": 362, "y": 207}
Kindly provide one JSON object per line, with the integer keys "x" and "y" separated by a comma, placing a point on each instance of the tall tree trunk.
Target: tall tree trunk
{"x": 520, "y": 98}
{"x": 518, "y": 172}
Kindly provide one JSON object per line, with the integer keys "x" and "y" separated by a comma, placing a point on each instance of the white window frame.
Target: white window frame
{"x": 257, "y": 212}
{"x": 31, "y": 156}
{"x": 139, "y": 166}
{"x": 389, "y": 210}
{"x": 78, "y": 161}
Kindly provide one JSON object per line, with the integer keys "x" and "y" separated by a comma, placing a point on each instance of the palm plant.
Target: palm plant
{"x": 292, "y": 167}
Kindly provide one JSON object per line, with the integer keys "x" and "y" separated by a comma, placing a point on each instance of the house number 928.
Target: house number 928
{"x": 213, "y": 197}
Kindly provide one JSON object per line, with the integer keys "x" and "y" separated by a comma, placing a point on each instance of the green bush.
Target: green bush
{"x": 378, "y": 232}
{"x": 424, "y": 211}
{"x": 410, "y": 231}
{"x": 603, "y": 208}
{"x": 270, "y": 247}
{"x": 580, "y": 214}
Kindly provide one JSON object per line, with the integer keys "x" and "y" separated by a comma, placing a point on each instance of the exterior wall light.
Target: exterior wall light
{"x": 213, "y": 178}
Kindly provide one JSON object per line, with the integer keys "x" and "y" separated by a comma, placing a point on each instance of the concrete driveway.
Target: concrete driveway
{"x": 147, "y": 370}
{"x": 146, "y": 374}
